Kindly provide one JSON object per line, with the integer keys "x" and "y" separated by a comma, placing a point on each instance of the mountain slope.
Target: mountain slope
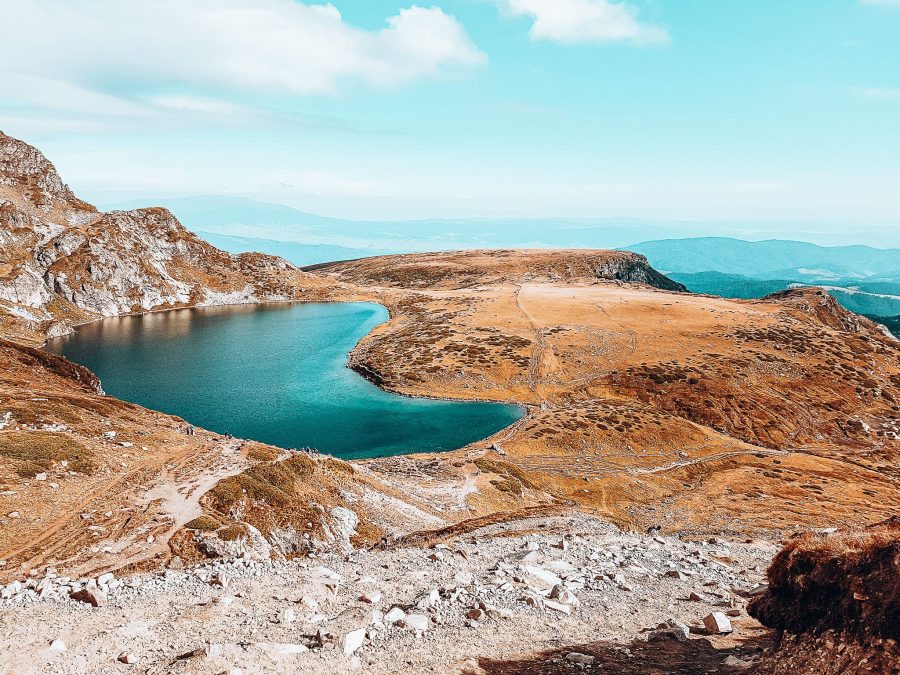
{"x": 63, "y": 262}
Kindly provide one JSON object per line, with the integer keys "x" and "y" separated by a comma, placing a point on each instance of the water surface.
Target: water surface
{"x": 273, "y": 373}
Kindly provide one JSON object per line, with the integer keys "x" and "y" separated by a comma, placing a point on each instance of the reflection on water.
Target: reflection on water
{"x": 275, "y": 373}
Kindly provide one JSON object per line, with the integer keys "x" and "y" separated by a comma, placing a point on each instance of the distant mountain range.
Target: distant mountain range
{"x": 241, "y": 217}
{"x": 862, "y": 278}
{"x": 773, "y": 259}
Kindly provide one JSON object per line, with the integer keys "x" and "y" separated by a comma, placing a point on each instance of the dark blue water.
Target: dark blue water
{"x": 275, "y": 373}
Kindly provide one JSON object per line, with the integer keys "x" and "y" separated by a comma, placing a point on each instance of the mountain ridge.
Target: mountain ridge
{"x": 64, "y": 262}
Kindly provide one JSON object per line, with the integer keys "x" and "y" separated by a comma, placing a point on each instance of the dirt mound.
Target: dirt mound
{"x": 835, "y": 603}
{"x": 848, "y": 582}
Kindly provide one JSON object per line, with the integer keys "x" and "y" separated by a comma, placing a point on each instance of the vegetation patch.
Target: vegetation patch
{"x": 203, "y": 523}
{"x": 510, "y": 485}
{"x": 262, "y": 453}
{"x": 42, "y": 449}
{"x": 233, "y": 532}
{"x": 510, "y": 471}
{"x": 273, "y": 483}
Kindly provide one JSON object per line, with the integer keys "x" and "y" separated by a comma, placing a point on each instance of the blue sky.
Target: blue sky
{"x": 679, "y": 109}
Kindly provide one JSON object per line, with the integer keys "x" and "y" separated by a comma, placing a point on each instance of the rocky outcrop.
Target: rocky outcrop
{"x": 819, "y": 304}
{"x": 64, "y": 262}
{"x": 634, "y": 268}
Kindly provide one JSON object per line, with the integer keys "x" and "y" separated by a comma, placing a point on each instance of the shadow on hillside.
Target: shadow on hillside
{"x": 657, "y": 656}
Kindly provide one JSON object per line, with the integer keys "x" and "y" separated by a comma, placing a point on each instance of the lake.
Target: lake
{"x": 274, "y": 373}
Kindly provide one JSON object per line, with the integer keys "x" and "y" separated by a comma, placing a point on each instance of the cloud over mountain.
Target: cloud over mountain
{"x": 587, "y": 21}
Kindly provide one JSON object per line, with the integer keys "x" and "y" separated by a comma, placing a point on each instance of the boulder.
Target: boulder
{"x": 417, "y": 622}
{"x": 91, "y": 596}
{"x": 395, "y": 615}
{"x": 717, "y": 623}
{"x": 354, "y": 640}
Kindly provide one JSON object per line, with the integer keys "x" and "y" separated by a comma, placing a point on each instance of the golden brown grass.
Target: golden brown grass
{"x": 203, "y": 523}
{"x": 41, "y": 450}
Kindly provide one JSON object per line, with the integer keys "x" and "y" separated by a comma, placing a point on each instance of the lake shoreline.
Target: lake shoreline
{"x": 215, "y": 413}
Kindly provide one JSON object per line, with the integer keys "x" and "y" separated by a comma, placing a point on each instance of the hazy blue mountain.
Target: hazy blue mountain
{"x": 240, "y": 217}
{"x": 299, "y": 254}
{"x": 773, "y": 259}
{"x": 891, "y": 322}
{"x": 870, "y": 304}
{"x": 729, "y": 285}
{"x": 856, "y": 297}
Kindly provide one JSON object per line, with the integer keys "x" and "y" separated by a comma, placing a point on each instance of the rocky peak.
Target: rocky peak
{"x": 25, "y": 167}
{"x": 63, "y": 262}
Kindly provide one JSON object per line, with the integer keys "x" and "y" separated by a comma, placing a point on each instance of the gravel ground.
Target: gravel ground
{"x": 504, "y": 592}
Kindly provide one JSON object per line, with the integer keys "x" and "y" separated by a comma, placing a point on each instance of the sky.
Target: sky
{"x": 378, "y": 109}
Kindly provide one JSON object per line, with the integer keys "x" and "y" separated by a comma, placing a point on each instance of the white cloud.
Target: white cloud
{"x": 134, "y": 52}
{"x": 881, "y": 3}
{"x": 586, "y": 21}
{"x": 878, "y": 93}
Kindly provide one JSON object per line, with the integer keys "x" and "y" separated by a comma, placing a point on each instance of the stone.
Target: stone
{"x": 372, "y": 597}
{"x": 717, "y": 623}
{"x": 679, "y": 630}
{"x": 92, "y": 597}
{"x": 557, "y": 606}
{"x": 417, "y": 622}
{"x": 395, "y": 615}
{"x": 564, "y": 595}
{"x": 428, "y": 600}
{"x": 288, "y": 616}
{"x": 221, "y": 580}
{"x": 541, "y": 576}
{"x": 128, "y": 658}
{"x": 475, "y": 614}
{"x": 354, "y": 640}
{"x": 734, "y": 662}
{"x": 579, "y": 658}
{"x": 695, "y": 597}
{"x": 58, "y": 645}
{"x": 104, "y": 579}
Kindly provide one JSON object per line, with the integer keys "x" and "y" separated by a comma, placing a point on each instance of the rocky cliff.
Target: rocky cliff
{"x": 63, "y": 262}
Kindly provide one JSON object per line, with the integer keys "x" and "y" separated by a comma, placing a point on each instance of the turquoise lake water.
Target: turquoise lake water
{"x": 273, "y": 373}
